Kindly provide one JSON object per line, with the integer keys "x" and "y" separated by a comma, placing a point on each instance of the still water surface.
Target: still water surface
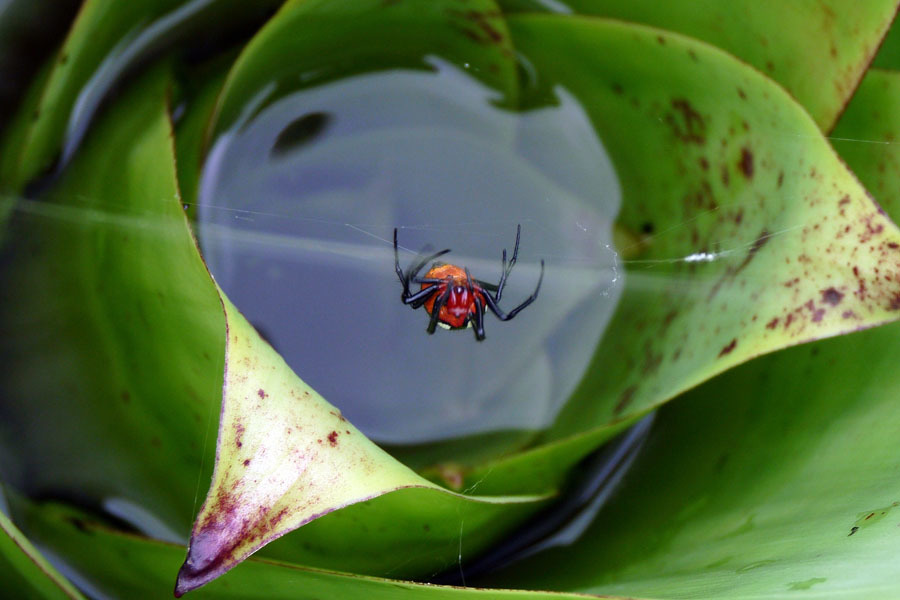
{"x": 298, "y": 204}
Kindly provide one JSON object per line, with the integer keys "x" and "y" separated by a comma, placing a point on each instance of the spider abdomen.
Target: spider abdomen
{"x": 460, "y": 302}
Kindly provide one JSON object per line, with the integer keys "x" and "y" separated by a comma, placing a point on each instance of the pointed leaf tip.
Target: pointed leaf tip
{"x": 284, "y": 457}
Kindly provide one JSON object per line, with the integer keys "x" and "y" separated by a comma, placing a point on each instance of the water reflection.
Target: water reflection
{"x": 297, "y": 211}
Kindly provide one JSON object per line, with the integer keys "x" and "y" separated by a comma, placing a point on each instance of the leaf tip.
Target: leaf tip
{"x": 205, "y": 561}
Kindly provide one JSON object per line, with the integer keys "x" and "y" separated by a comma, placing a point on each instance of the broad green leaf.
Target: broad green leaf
{"x": 867, "y": 134}
{"x": 345, "y": 37}
{"x": 113, "y": 331}
{"x": 888, "y": 56}
{"x": 776, "y": 479}
{"x": 200, "y": 89}
{"x": 118, "y": 565}
{"x": 759, "y": 238}
{"x": 25, "y": 573}
{"x": 286, "y": 457}
{"x": 106, "y": 40}
{"x": 717, "y": 161}
{"x": 817, "y": 50}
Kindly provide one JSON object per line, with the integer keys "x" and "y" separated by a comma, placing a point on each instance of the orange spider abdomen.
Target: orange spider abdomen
{"x": 460, "y": 303}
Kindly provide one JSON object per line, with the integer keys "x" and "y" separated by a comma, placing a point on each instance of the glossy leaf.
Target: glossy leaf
{"x": 24, "y": 571}
{"x": 763, "y": 240}
{"x": 110, "y": 318}
{"x": 106, "y": 40}
{"x": 867, "y": 134}
{"x": 759, "y": 238}
{"x": 817, "y": 50}
{"x": 286, "y": 457}
{"x": 344, "y": 37}
{"x": 775, "y": 479}
{"x": 119, "y": 565}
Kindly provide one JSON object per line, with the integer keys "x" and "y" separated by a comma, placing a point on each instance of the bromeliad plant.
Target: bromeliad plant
{"x": 759, "y": 123}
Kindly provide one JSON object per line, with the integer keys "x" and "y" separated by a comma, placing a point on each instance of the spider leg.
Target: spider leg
{"x": 436, "y": 310}
{"x": 421, "y": 297}
{"x": 491, "y": 287}
{"x": 492, "y": 302}
{"x": 397, "y": 264}
{"x": 478, "y": 318}
{"x": 414, "y": 268}
{"x": 506, "y": 268}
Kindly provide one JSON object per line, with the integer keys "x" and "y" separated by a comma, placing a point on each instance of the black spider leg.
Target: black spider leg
{"x": 492, "y": 302}
{"x": 436, "y": 308}
{"x": 508, "y": 267}
{"x": 504, "y": 270}
{"x": 420, "y": 297}
{"x": 478, "y": 317}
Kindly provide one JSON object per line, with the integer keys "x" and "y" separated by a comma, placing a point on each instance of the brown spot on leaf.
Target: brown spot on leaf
{"x": 686, "y": 123}
{"x": 728, "y": 347}
{"x": 332, "y": 438}
{"x": 746, "y": 163}
{"x": 246, "y": 462}
{"x": 485, "y": 31}
{"x": 238, "y": 434}
{"x": 772, "y": 324}
{"x": 832, "y": 296}
{"x": 625, "y": 399}
{"x": 895, "y": 301}
{"x": 262, "y": 393}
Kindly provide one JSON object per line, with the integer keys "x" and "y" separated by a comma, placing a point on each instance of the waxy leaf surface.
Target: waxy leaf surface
{"x": 777, "y": 479}
{"x": 286, "y": 457}
{"x": 817, "y": 50}
{"x": 750, "y": 233}
{"x": 24, "y": 571}
{"x": 126, "y": 566}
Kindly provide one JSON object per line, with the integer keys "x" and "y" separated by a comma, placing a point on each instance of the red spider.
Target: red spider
{"x": 453, "y": 298}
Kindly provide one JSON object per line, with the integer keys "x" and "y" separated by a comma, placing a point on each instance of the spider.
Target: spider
{"x": 453, "y": 298}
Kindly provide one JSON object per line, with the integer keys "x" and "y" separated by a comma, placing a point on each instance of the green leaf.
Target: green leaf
{"x": 345, "y": 37}
{"x": 888, "y": 56}
{"x": 866, "y": 136}
{"x": 113, "y": 331}
{"x": 24, "y": 571}
{"x": 106, "y": 40}
{"x": 286, "y": 457}
{"x": 817, "y": 50}
{"x": 719, "y": 161}
{"x": 775, "y": 479}
{"x": 118, "y": 565}
{"x": 201, "y": 87}
{"x": 716, "y": 161}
